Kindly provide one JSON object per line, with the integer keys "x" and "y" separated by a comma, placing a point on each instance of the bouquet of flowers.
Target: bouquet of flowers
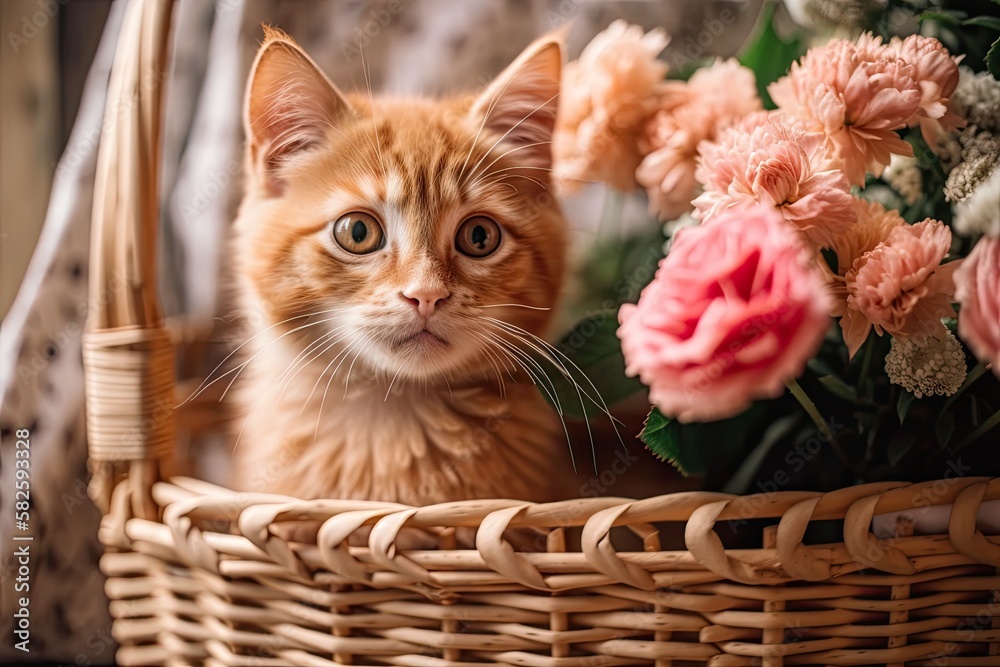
{"x": 829, "y": 301}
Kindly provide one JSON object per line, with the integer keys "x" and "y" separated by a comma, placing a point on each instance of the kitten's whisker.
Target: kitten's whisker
{"x": 524, "y": 166}
{"x": 320, "y": 351}
{"x": 343, "y": 353}
{"x": 489, "y": 110}
{"x": 239, "y": 369}
{"x": 357, "y": 149}
{"x": 347, "y": 382}
{"x": 554, "y": 395}
{"x": 203, "y": 386}
{"x": 388, "y": 391}
{"x": 503, "y": 361}
{"x": 559, "y": 353}
{"x": 491, "y": 356}
{"x": 486, "y": 170}
{"x": 511, "y": 129}
{"x": 371, "y": 105}
{"x": 509, "y": 349}
{"x": 451, "y": 392}
{"x": 322, "y": 403}
{"x": 256, "y": 403}
{"x": 500, "y": 177}
{"x": 309, "y": 348}
{"x": 576, "y": 387}
{"x": 513, "y": 305}
{"x": 551, "y": 353}
{"x": 502, "y": 180}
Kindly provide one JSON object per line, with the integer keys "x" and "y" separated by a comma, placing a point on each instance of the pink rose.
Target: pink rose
{"x": 734, "y": 312}
{"x": 977, "y": 288}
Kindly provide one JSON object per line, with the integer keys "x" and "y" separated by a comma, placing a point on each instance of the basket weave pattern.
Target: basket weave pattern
{"x": 218, "y": 583}
{"x": 200, "y": 575}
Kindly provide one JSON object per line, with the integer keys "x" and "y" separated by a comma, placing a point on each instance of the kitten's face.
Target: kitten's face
{"x": 403, "y": 223}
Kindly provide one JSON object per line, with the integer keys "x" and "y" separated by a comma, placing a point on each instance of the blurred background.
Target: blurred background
{"x": 43, "y": 81}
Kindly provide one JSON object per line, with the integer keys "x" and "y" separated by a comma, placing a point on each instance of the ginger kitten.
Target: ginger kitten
{"x": 375, "y": 238}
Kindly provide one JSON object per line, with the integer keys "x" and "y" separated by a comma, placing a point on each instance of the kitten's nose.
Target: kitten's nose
{"x": 425, "y": 299}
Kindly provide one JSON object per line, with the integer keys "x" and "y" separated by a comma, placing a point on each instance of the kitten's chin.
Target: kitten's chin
{"x": 426, "y": 356}
{"x": 422, "y": 342}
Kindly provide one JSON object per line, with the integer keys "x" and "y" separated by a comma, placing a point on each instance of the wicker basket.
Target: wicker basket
{"x": 200, "y": 575}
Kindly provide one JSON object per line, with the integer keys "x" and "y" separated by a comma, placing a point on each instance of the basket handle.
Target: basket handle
{"x": 127, "y": 354}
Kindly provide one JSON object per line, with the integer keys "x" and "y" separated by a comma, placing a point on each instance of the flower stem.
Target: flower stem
{"x": 824, "y": 428}
{"x": 980, "y": 430}
{"x": 866, "y": 363}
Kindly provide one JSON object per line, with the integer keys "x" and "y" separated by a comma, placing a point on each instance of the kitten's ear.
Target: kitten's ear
{"x": 522, "y": 102}
{"x": 290, "y": 105}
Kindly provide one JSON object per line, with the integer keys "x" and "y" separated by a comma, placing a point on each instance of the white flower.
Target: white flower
{"x": 977, "y": 99}
{"x": 927, "y": 366}
{"x": 980, "y": 213}
{"x": 904, "y": 176}
{"x": 980, "y": 154}
{"x": 971, "y": 154}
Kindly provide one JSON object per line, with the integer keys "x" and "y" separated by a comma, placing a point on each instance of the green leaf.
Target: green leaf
{"x": 977, "y": 372}
{"x": 839, "y": 388}
{"x": 819, "y": 366}
{"x": 597, "y": 361}
{"x": 951, "y": 19}
{"x": 901, "y": 441}
{"x": 662, "y": 436}
{"x": 944, "y": 428}
{"x": 769, "y": 56}
{"x": 990, "y": 22}
{"x": 592, "y": 339}
{"x": 741, "y": 479}
{"x": 903, "y": 404}
{"x": 993, "y": 59}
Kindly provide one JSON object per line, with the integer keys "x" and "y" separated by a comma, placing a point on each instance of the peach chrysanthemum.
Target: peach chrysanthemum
{"x": 874, "y": 223}
{"x": 606, "y": 95}
{"x": 901, "y": 287}
{"x": 936, "y": 72}
{"x": 712, "y": 99}
{"x": 858, "y": 94}
{"x": 775, "y": 162}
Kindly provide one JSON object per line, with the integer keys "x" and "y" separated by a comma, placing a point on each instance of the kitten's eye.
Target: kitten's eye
{"x": 478, "y": 236}
{"x": 358, "y": 233}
